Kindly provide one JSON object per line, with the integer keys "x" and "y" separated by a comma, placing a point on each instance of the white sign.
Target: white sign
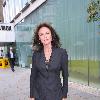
{"x": 7, "y": 33}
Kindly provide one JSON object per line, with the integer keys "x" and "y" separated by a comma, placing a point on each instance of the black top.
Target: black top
{"x": 45, "y": 82}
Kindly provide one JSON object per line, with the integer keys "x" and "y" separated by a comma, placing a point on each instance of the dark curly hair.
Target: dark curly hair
{"x": 37, "y": 45}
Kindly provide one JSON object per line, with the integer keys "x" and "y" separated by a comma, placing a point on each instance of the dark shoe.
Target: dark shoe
{"x": 13, "y": 70}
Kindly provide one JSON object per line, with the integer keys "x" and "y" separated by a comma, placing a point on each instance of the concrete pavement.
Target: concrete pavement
{"x": 15, "y": 86}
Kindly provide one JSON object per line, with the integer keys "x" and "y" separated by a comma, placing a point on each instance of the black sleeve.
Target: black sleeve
{"x": 33, "y": 76}
{"x": 65, "y": 73}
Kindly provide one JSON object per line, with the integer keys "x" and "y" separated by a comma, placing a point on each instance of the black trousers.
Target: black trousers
{"x": 12, "y": 63}
{"x": 39, "y": 99}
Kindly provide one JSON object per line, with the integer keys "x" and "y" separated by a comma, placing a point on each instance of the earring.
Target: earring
{"x": 39, "y": 43}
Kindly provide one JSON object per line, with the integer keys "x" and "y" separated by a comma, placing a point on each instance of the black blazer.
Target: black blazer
{"x": 45, "y": 82}
{"x": 9, "y": 55}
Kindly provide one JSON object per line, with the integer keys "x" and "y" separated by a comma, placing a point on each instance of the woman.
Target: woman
{"x": 47, "y": 62}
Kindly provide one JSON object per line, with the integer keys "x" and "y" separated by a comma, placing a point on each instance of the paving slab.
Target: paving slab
{"x": 15, "y": 86}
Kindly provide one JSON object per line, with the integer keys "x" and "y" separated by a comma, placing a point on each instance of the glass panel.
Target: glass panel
{"x": 23, "y": 33}
{"x": 95, "y": 63}
{"x": 23, "y": 2}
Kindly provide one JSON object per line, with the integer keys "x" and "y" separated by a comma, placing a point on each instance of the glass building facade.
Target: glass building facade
{"x": 80, "y": 38}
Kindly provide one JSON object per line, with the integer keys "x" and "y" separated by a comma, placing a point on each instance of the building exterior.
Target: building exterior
{"x": 1, "y": 11}
{"x": 69, "y": 18}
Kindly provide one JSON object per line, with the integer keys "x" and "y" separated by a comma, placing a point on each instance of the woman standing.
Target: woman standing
{"x": 47, "y": 62}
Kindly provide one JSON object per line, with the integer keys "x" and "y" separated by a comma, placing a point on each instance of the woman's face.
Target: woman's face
{"x": 45, "y": 35}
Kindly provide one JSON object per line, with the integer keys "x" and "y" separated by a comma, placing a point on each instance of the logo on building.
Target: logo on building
{"x": 6, "y": 27}
{"x": 7, "y": 33}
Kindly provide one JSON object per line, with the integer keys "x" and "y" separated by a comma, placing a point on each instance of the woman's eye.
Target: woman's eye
{"x": 40, "y": 34}
{"x": 47, "y": 32}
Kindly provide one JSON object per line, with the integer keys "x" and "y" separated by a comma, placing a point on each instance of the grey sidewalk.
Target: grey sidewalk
{"x": 82, "y": 92}
{"x": 15, "y": 86}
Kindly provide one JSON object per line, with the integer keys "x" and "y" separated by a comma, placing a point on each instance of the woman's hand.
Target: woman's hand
{"x": 32, "y": 99}
{"x": 64, "y": 98}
